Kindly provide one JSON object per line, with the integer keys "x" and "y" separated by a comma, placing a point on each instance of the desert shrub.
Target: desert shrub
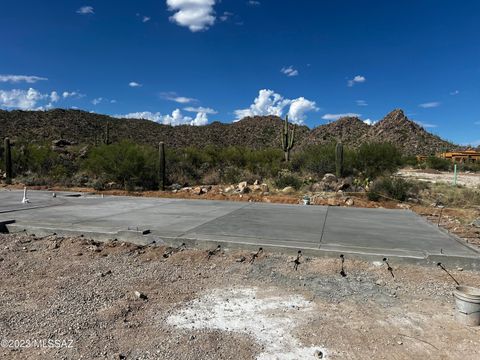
{"x": 436, "y": 163}
{"x": 231, "y": 175}
{"x": 456, "y": 196}
{"x": 125, "y": 163}
{"x": 392, "y": 188}
{"x": 410, "y": 161}
{"x": 377, "y": 159}
{"x": 320, "y": 159}
{"x": 285, "y": 179}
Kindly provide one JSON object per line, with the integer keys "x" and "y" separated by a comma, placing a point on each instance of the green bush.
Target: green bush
{"x": 437, "y": 163}
{"x": 320, "y": 159}
{"x": 285, "y": 179}
{"x": 377, "y": 159}
{"x": 390, "y": 188}
{"x": 124, "y": 163}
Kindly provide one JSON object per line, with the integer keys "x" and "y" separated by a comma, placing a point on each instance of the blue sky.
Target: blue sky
{"x": 198, "y": 61}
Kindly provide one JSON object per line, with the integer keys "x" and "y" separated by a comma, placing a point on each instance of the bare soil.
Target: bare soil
{"x": 190, "y": 306}
{"x": 471, "y": 180}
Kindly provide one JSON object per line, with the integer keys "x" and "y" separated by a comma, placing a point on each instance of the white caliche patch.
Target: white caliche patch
{"x": 270, "y": 320}
{"x": 197, "y": 15}
{"x": 268, "y": 102}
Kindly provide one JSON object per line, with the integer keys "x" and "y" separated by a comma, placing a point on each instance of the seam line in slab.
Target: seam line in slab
{"x": 323, "y": 227}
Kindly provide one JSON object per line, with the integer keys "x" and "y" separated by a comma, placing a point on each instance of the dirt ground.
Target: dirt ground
{"x": 463, "y": 178}
{"x": 82, "y": 295}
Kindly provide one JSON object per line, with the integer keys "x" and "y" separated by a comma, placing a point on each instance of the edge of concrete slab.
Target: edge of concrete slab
{"x": 139, "y": 238}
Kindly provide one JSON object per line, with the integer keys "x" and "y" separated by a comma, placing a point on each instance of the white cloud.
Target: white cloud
{"x": 54, "y": 97}
{"x": 200, "y": 109}
{"x": 472, "y": 143}
{"x": 21, "y": 78}
{"x": 426, "y": 125}
{"x": 430, "y": 105}
{"x": 134, "y": 84}
{"x": 356, "y": 79}
{"x": 146, "y": 19}
{"x": 226, "y": 15}
{"x": 84, "y": 10}
{"x": 22, "y": 99}
{"x": 172, "y": 96}
{"x": 176, "y": 118}
{"x": 97, "y": 101}
{"x": 477, "y": 122}
{"x": 456, "y": 92}
{"x": 197, "y": 15}
{"x": 361, "y": 103}
{"x": 253, "y": 3}
{"x": 269, "y": 102}
{"x": 67, "y": 94}
{"x": 334, "y": 117}
{"x": 289, "y": 71}
{"x": 369, "y": 122}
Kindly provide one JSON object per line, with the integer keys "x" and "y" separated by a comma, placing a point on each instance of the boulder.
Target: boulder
{"x": 329, "y": 178}
{"x": 242, "y": 185}
{"x": 349, "y": 201}
{"x": 197, "y": 190}
{"x": 288, "y": 190}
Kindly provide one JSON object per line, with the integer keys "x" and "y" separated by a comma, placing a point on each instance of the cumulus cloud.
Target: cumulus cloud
{"x": 289, "y": 71}
{"x": 68, "y": 94}
{"x": 54, "y": 97}
{"x": 172, "y": 96}
{"x": 356, "y": 80}
{"x": 23, "y": 99}
{"x": 146, "y": 19}
{"x": 97, "y": 101}
{"x": 174, "y": 119}
{"x": 430, "y": 105}
{"x": 269, "y": 102}
{"x": 455, "y": 92}
{"x": 334, "y": 117}
{"x": 134, "y": 84}
{"x": 369, "y": 122}
{"x": 361, "y": 103}
{"x": 197, "y": 15}
{"x": 200, "y": 109}
{"x": 253, "y": 3}
{"x": 84, "y": 10}
{"x": 21, "y": 78}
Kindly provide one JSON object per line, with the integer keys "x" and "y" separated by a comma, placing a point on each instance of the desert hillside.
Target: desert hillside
{"x": 254, "y": 132}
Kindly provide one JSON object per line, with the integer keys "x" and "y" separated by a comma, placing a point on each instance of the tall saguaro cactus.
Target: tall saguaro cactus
{"x": 339, "y": 159}
{"x": 288, "y": 139}
{"x": 161, "y": 168}
{"x": 107, "y": 133}
{"x": 8, "y": 160}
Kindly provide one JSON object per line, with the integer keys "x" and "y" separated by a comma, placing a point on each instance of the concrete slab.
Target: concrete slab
{"x": 320, "y": 230}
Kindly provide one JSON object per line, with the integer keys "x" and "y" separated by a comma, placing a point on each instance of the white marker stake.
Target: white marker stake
{"x": 25, "y": 199}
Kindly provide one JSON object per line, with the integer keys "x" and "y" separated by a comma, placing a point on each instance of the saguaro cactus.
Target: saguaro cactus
{"x": 107, "y": 133}
{"x": 339, "y": 159}
{"x": 161, "y": 168}
{"x": 8, "y": 160}
{"x": 288, "y": 139}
